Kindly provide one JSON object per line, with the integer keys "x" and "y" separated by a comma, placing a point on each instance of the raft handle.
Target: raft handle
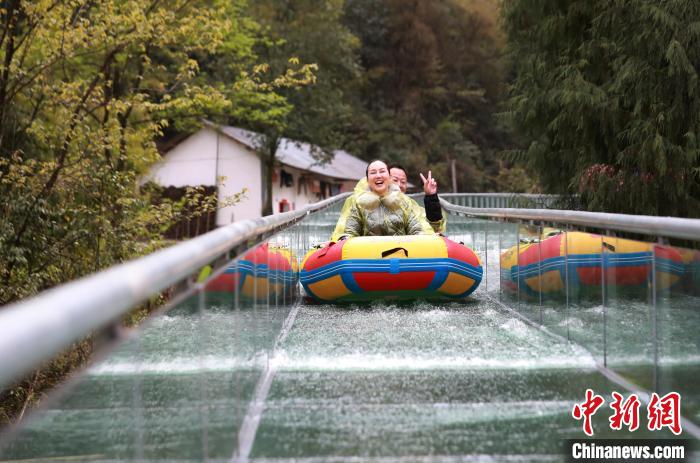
{"x": 325, "y": 249}
{"x": 609, "y": 246}
{"x": 389, "y": 252}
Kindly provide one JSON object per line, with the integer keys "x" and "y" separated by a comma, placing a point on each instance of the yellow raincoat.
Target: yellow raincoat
{"x": 367, "y": 214}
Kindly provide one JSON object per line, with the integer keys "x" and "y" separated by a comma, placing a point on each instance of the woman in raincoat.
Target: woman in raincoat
{"x": 377, "y": 207}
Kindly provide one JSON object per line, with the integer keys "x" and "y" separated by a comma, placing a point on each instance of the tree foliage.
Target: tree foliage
{"x": 606, "y": 100}
{"x": 85, "y": 89}
{"x": 433, "y": 80}
{"x": 315, "y": 104}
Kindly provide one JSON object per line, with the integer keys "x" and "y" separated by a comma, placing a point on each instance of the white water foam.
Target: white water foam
{"x": 573, "y": 323}
{"x": 637, "y": 360}
{"x": 597, "y": 310}
{"x": 517, "y": 327}
{"x": 364, "y": 362}
{"x": 350, "y": 362}
{"x": 174, "y": 366}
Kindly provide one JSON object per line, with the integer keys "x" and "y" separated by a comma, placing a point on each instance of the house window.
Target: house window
{"x": 286, "y": 179}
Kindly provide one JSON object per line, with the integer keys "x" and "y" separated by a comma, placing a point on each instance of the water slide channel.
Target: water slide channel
{"x": 277, "y": 378}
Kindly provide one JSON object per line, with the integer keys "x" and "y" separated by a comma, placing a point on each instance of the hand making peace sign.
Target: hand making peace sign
{"x": 430, "y": 186}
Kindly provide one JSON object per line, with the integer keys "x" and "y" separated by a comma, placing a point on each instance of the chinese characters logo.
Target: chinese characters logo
{"x": 662, "y": 412}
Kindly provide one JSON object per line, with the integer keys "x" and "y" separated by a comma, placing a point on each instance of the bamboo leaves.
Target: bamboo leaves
{"x": 614, "y": 106}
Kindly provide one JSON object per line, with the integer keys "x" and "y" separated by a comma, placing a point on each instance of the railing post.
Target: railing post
{"x": 567, "y": 283}
{"x": 654, "y": 320}
{"x": 604, "y": 302}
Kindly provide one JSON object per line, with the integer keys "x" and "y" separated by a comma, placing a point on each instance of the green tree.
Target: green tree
{"x": 85, "y": 88}
{"x": 606, "y": 99}
{"x": 433, "y": 81}
{"x": 316, "y": 104}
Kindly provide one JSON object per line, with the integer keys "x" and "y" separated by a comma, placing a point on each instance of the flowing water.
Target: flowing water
{"x": 221, "y": 377}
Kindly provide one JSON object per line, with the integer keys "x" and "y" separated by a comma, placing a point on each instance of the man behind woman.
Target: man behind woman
{"x": 378, "y": 207}
{"x": 432, "y": 210}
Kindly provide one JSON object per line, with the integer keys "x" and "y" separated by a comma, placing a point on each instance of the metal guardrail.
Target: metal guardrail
{"x": 35, "y": 330}
{"x": 669, "y": 227}
{"x": 504, "y": 200}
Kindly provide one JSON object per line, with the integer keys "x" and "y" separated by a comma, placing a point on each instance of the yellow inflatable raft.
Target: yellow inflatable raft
{"x": 542, "y": 267}
{"x": 393, "y": 267}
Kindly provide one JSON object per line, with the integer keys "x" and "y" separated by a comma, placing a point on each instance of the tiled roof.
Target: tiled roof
{"x": 292, "y": 153}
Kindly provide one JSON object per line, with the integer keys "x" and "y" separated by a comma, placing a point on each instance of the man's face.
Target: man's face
{"x": 399, "y": 177}
{"x": 378, "y": 177}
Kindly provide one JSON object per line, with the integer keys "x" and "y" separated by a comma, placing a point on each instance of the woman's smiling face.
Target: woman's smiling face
{"x": 378, "y": 177}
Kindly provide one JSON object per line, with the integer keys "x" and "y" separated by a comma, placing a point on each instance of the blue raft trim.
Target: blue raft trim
{"x": 631, "y": 259}
{"x": 346, "y": 268}
{"x": 247, "y": 268}
{"x": 404, "y": 265}
{"x": 636, "y": 259}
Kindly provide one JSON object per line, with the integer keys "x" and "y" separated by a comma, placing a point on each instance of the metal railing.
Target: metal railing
{"x": 670, "y": 227}
{"x": 40, "y": 327}
{"x": 35, "y": 330}
{"x": 507, "y": 200}
{"x": 541, "y": 285}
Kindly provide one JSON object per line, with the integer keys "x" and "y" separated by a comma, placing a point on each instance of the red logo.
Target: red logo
{"x": 587, "y": 409}
{"x": 626, "y": 412}
{"x": 665, "y": 412}
{"x": 662, "y": 412}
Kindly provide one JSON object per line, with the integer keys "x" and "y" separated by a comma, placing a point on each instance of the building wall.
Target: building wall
{"x": 206, "y": 156}
{"x": 348, "y": 185}
{"x": 191, "y": 162}
{"x": 296, "y": 195}
{"x": 211, "y": 159}
{"x": 238, "y": 168}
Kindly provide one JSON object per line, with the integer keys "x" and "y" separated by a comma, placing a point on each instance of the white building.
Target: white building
{"x": 224, "y": 157}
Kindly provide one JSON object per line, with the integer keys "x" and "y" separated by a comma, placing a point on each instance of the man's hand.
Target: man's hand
{"x": 430, "y": 186}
